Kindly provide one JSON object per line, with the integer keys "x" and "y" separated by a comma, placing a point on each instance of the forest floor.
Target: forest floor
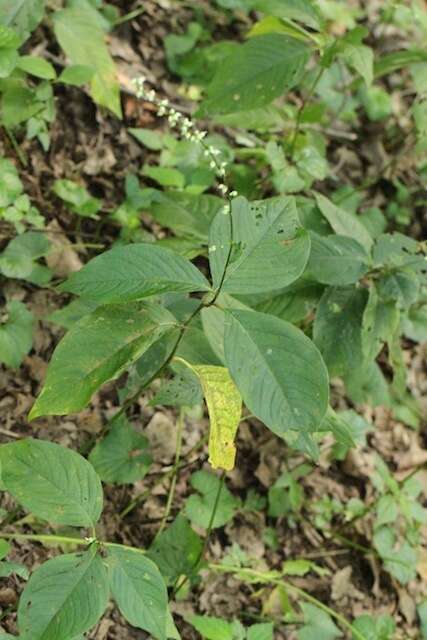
{"x": 97, "y": 149}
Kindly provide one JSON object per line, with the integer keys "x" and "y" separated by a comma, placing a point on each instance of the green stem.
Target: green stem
{"x": 174, "y": 472}
{"x": 133, "y": 503}
{"x": 21, "y": 155}
{"x": 53, "y": 539}
{"x": 129, "y": 16}
{"x": 178, "y": 586}
{"x": 307, "y": 35}
{"x": 301, "y": 109}
{"x": 268, "y": 578}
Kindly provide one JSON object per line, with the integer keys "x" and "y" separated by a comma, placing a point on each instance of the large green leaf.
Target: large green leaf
{"x": 270, "y": 248}
{"x": 304, "y": 11}
{"x": 338, "y": 328}
{"x": 153, "y": 360}
{"x": 337, "y": 260}
{"x": 16, "y": 333}
{"x": 22, "y": 15}
{"x": 278, "y": 370}
{"x": 98, "y": 348}
{"x": 82, "y": 38}
{"x": 66, "y": 596}
{"x": 133, "y": 272}
{"x": 52, "y": 482}
{"x": 185, "y": 213}
{"x": 139, "y": 590}
{"x": 213, "y": 322}
{"x": 256, "y": 73}
{"x": 343, "y": 222}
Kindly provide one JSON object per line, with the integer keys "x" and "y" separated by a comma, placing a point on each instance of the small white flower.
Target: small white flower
{"x": 223, "y": 188}
{"x": 233, "y": 194}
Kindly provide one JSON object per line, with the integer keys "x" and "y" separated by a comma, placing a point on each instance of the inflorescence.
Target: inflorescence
{"x": 187, "y": 130}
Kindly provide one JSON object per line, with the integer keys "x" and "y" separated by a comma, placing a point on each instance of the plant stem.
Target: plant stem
{"x": 174, "y": 471}
{"x": 301, "y": 109}
{"x": 21, "y": 155}
{"x": 129, "y": 16}
{"x": 178, "y": 587}
{"x": 133, "y": 503}
{"x": 268, "y": 578}
{"x": 53, "y": 539}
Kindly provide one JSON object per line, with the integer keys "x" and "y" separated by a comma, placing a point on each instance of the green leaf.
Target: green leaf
{"x": 402, "y": 286}
{"x": 379, "y": 324}
{"x": 11, "y": 186}
{"x": 18, "y": 105}
{"x": 262, "y": 631}
{"x": 8, "y": 62}
{"x": 213, "y": 322}
{"x": 303, "y": 11}
{"x": 81, "y": 37}
{"x": 199, "y": 508}
{"x": 156, "y": 356}
{"x": 343, "y": 222}
{"x": 18, "y": 259}
{"x": 166, "y": 176}
{"x": 225, "y": 408}
{"x": 317, "y": 624}
{"x": 399, "y": 559}
{"x": 38, "y": 67}
{"x": 52, "y": 482}
{"x": 183, "y": 390}
{"x": 77, "y": 197}
{"x": 139, "y": 590}
{"x": 9, "y": 568}
{"x": 9, "y": 39}
{"x": 16, "y": 333}
{"x": 270, "y": 249}
{"x": 176, "y": 551}
{"x": 212, "y": 628}
{"x": 268, "y": 360}
{"x": 415, "y": 324}
{"x": 396, "y": 60}
{"x": 21, "y": 15}
{"x": 380, "y": 628}
{"x": 336, "y": 260}
{"x": 337, "y": 329}
{"x": 151, "y": 139}
{"x": 71, "y": 313}
{"x": 256, "y": 73}
{"x": 4, "y": 548}
{"x": 360, "y": 58}
{"x": 295, "y": 303}
{"x": 132, "y": 272}
{"x": 98, "y": 348}
{"x": 121, "y": 457}
{"x": 186, "y": 214}
{"x": 64, "y": 597}
{"x": 77, "y": 75}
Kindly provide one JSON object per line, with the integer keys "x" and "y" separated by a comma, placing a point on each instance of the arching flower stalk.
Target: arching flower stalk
{"x": 187, "y": 130}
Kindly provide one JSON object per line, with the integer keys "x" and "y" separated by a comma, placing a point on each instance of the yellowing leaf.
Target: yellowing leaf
{"x": 225, "y": 407}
